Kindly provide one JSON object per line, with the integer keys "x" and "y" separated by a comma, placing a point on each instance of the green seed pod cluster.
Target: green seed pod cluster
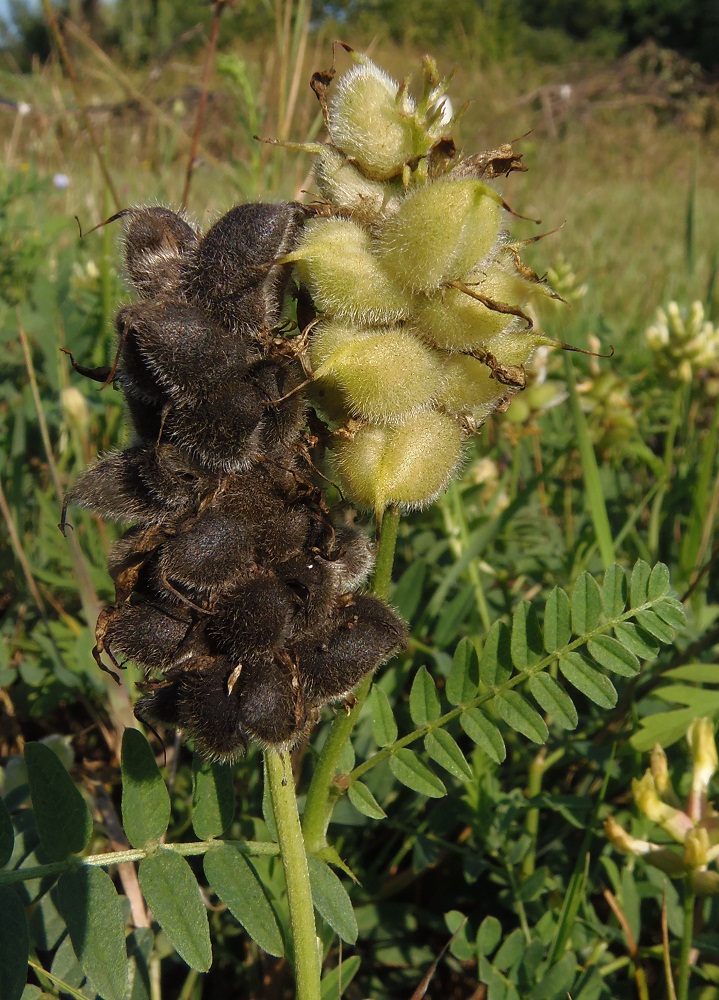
{"x": 420, "y": 330}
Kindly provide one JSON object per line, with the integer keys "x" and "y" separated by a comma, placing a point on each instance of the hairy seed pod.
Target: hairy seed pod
{"x": 439, "y": 233}
{"x": 157, "y": 242}
{"x": 408, "y": 464}
{"x": 385, "y": 373}
{"x": 347, "y": 189}
{"x": 335, "y": 262}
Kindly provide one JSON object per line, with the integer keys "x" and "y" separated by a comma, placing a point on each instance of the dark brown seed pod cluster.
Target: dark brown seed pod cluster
{"x": 235, "y": 585}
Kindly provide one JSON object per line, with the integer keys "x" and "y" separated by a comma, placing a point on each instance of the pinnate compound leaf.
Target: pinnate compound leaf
{"x": 336, "y": 980}
{"x": 659, "y": 582}
{"x": 14, "y": 944}
{"x": 408, "y": 769}
{"x": 554, "y": 700}
{"x": 639, "y": 583}
{"x": 145, "y": 801}
{"x": 587, "y": 679}
{"x": 637, "y": 640}
{"x": 62, "y": 817}
{"x": 656, "y": 626}
{"x": 557, "y": 621}
{"x": 237, "y": 884}
{"x": 520, "y": 716}
{"x": 614, "y": 591}
{"x": 613, "y": 656}
{"x": 495, "y": 663}
{"x": 482, "y": 731}
{"x": 364, "y": 801}
{"x": 90, "y": 906}
{"x": 7, "y": 834}
{"x": 671, "y": 611}
{"x": 586, "y": 604}
{"x": 444, "y": 750}
{"x": 384, "y": 727}
{"x": 526, "y": 643}
{"x": 332, "y": 901}
{"x": 424, "y": 704}
{"x": 461, "y": 682}
{"x": 213, "y": 798}
{"x": 171, "y": 891}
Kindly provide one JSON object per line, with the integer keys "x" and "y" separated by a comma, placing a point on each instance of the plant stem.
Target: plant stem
{"x": 319, "y": 804}
{"x": 684, "y": 968}
{"x": 294, "y": 862}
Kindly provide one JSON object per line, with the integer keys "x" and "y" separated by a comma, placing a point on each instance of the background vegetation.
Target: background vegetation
{"x": 621, "y": 148}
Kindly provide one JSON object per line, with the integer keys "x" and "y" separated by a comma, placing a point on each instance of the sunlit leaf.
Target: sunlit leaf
{"x": 495, "y": 661}
{"x": 659, "y": 582}
{"x": 414, "y": 773}
{"x": 637, "y": 640}
{"x": 172, "y": 892}
{"x": 527, "y": 645}
{"x": 444, "y": 750}
{"x": 614, "y": 591}
{"x": 384, "y": 727}
{"x": 462, "y": 680}
{"x": 364, "y": 801}
{"x": 234, "y": 879}
{"x": 423, "y": 698}
{"x": 519, "y": 714}
{"x": 557, "y": 622}
{"x": 555, "y": 701}
{"x": 612, "y": 655}
{"x": 639, "y": 583}
{"x": 484, "y": 733}
{"x": 656, "y": 626}
{"x": 586, "y": 604}
{"x": 145, "y": 801}
{"x": 213, "y": 798}
{"x": 587, "y": 679}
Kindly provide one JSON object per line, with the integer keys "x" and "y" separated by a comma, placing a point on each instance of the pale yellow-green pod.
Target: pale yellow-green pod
{"x": 372, "y": 120}
{"x": 469, "y": 389}
{"x": 385, "y": 374}
{"x": 408, "y": 464}
{"x": 333, "y": 260}
{"x": 342, "y": 184}
{"x": 439, "y": 233}
{"x": 515, "y": 347}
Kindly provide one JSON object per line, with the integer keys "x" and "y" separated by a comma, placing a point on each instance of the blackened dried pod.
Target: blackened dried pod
{"x": 145, "y": 484}
{"x": 204, "y": 556}
{"x": 282, "y": 420}
{"x": 234, "y": 274}
{"x": 170, "y": 348}
{"x": 255, "y": 617}
{"x": 154, "y": 635}
{"x": 219, "y": 704}
{"x": 350, "y": 557}
{"x": 156, "y": 243}
{"x": 315, "y": 586}
{"x": 361, "y": 635}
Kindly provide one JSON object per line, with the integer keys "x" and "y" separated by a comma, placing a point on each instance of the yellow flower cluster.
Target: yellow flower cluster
{"x": 421, "y": 330}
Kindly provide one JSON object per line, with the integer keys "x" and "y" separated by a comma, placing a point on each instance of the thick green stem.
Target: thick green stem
{"x": 684, "y": 966}
{"x": 319, "y": 803}
{"x": 297, "y": 877}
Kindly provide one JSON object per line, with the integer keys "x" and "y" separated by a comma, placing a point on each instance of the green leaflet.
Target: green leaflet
{"x": 332, "y": 901}
{"x": 495, "y": 662}
{"x": 557, "y": 622}
{"x": 588, "y": 680}
{"x": 336, "y": 980}
{"x": 171, "y": 891}
{"x": 7, "y": 834}
{"x": 614, "y": 591}
{"x": 520, "y": 716}
{"x": 612, "y": 655}
{"x": 639, "y": 583}
{"x": 14, "y": 944}
{"x": 554, "y": 700}
{"x": 526, "y": 643}
{"x": 586, "y": 604}
{"x": 384, "y": 727}
{"x": 424, "y": 703}
{"x": 145, "y": 801}
{"x": 213, "y": 798}
{"x": 62, "y": 817}
{"x": 364, "y": 801}
{"x": 484, "y": 733}
{"x": 91, "y": 909}
{"x": 408, "y": 769}
{"x": 444, "y": 750}
{"x": 463, "y": 675}
{"x": 234, "y": 879}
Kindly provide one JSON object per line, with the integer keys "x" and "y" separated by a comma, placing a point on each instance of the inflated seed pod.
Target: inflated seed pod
{"x": 373, "y": 120}
{"x": 157, "y": 242}
{"x": 385, "y": 373}
{"x": 468, "y": 388}
{"x": 439, "y": 233}
{"x": 408, "y": 464}
{"x": 456, "y": 321}
{"x": 335, "y": 262}
{"x": 342, "y": 184}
